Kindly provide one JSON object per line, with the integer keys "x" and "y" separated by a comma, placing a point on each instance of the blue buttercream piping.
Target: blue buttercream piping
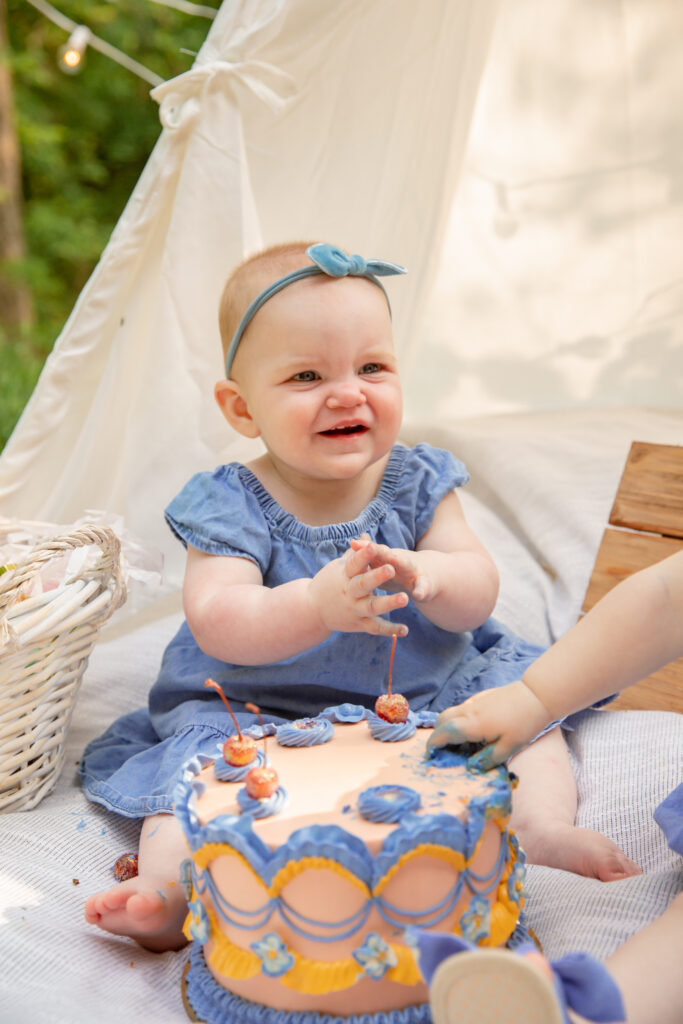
{"x": 225, "y": 772}
{"x": 414, "y": 830}
{"x": 328, "y": 841}
{"x": 427, "y": 918}
{"x": 345, "y": 713}
{"x": 359, "y": 920}
{"x": 305, "y": 732}
{"x": 387, "y": 804}
{"x": 391, "y": 732}
{"x": 265, "y": 807}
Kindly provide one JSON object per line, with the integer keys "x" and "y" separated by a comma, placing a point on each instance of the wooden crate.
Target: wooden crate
{"x": 648, "y": 516}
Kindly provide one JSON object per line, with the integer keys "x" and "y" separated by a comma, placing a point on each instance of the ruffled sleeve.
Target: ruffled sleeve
{"x": 217, "y": 514}
{"x": 432, "y": 473}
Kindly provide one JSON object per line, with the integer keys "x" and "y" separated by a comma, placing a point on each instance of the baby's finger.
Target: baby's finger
{"x": 493, "y": 754}
{"x": 358, "y": 558}
{"x": 382, "y": 604}
{"x": 383, "y": 627}
{"x": 364, "y": 583}
{"x": 448, "y": 732}
{"x": 422, "y": 590}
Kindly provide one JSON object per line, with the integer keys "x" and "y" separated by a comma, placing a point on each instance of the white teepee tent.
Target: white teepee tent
{"x": 521, "y": 159}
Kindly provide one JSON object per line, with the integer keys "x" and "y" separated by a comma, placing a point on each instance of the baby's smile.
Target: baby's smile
{"x": 345, "y": 431}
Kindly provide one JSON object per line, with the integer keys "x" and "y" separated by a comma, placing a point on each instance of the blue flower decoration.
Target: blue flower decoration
{"x": 200, "y": 926}
{"x": 186, "y": 878}
{"x": 516, "y": 883}
{"x": 475, "y": 923}
{"x": 275, "y": 958}
{"x": 375, "y": 956}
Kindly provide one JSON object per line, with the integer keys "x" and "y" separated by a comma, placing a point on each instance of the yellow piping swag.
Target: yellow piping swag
{"x": 504, "y": 913}
{"x": 212, "y": 851}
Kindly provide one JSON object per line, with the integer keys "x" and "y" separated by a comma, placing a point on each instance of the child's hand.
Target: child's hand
{"x": 506, "y": 718}
{"x": 343, "y": 593}
{"x": 407, "y": 576}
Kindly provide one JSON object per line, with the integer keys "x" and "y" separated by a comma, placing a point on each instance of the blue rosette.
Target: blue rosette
{"x": 391, "y": 732}
{"x": 304, "y": 732}
{"x": 266, "y": 807}
{"x": 225, "y": 772}
{"x": 387, "y": 804}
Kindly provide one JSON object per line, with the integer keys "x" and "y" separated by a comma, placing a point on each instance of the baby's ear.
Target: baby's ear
{"x": 234, "y": 407}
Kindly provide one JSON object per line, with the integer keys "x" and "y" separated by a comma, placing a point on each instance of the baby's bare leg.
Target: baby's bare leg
{"x": 647, "y": 969}
{"x": 543, "y": 813}
{"x": 151, "y": 907}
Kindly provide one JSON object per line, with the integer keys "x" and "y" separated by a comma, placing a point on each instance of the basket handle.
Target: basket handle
{"x": 83, "y": 536}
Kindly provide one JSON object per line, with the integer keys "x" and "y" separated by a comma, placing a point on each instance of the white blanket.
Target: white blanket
{"x": 540, "y": 495}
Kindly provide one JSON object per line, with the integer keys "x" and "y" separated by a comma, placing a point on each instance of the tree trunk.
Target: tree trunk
{"x": 15, "y": 298}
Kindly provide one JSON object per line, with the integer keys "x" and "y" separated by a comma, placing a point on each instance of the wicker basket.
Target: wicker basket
{"x": 45, "y": 643}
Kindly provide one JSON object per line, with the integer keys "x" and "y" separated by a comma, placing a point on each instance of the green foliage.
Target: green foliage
{"x": 84, "y": 141}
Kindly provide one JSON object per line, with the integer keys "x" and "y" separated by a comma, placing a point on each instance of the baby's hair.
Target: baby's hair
{"x": 250, "y": 277}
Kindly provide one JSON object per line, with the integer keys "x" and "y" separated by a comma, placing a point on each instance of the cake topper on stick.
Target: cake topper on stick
{"x": 392, "y": 707}
{"x": 238, "y": 749}
{"x": 260, "y": 782}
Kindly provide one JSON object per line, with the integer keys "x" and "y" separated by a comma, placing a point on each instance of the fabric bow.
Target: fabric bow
{"x": 336, "y": 263}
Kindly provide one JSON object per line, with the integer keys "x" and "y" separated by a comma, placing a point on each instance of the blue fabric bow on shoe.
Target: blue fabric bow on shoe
{"x": 581, "y": 982}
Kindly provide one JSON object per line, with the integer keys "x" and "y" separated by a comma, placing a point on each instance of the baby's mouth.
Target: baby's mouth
{"x": 356, "y": 428}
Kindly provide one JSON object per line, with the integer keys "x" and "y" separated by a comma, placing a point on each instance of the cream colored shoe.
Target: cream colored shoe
{"x": 494, "y": 987}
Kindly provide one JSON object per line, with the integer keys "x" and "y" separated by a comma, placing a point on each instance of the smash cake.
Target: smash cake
{"x": 301, "y": 901}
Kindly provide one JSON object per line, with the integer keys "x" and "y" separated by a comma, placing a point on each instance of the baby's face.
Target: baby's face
{"x": 318, "y": 373}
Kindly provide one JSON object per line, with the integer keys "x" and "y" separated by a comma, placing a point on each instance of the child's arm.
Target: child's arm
{"x": 235, "y": 618}
{"x": 634, "y": 630}
{"x": 450, "y": 576}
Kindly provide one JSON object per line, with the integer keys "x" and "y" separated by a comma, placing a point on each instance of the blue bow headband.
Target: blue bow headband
{"x": 327, "y": 259}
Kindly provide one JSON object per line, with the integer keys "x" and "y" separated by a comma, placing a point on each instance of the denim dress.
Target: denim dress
{"x": 133, "y": 767}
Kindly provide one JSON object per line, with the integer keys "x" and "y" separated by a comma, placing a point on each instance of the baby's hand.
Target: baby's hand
{"x": 407, "y": 576}
{"x": 506, "y": 718}
{"x": 343, "y": 593}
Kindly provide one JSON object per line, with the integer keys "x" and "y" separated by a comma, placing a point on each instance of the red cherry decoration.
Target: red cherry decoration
{"x": 238, "y": 750}
{"x": 392, "y": 707}
{"x": 262, "y": 781}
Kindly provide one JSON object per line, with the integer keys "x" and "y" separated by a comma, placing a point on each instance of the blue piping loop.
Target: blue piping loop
{"x": 326, "y": 259}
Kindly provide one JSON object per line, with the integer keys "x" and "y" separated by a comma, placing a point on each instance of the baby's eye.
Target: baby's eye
{"x": 371, "y": 368}
{"x": 306, "y": 376}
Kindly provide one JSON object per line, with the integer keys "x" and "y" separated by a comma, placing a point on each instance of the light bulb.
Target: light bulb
{"x": 71, "y": 55}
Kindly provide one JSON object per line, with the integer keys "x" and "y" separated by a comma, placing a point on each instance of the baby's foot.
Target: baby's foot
{"x": 558, "y": 845}
{"x": 148, "y": 909}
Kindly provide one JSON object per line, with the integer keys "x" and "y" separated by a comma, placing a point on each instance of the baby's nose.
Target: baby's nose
{"x": 345, "y": 395}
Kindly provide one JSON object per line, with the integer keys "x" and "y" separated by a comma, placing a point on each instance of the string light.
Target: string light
{"x": 70, "y": 57}
{"x": 74, "y": 62}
